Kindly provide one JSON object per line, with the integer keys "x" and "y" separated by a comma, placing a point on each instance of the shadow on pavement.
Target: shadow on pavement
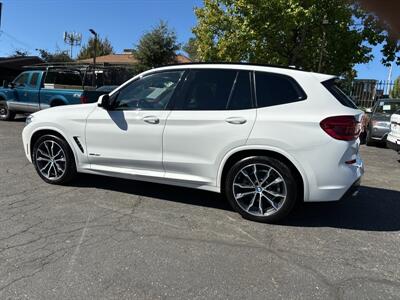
{"x": 154, "y": 190}
{"x": 19, "y": 118}
{"x": 373, "y": 209}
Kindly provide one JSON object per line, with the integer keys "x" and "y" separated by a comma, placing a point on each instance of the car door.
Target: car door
{"x": 22, "y": 90}
{"x": 213, "y": 114}
{"x": 31, "y": 94}
{"x": 128, "y": 137}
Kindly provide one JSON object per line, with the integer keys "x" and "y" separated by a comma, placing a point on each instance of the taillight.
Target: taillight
{"x": 84, "y": 99}
{"x": 345, "y": 128}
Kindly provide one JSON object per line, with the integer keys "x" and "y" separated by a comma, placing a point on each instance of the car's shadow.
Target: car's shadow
{"x": 373, "y": 209}
{"x": 153, "y": 190}
{"x": 19, "y": 118}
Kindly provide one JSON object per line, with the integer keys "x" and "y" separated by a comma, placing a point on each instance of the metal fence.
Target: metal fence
{"x": 365, "y": 92}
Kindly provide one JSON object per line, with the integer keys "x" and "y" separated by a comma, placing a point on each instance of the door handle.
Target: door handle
{"x": 151, "y": 120}
{"x": 236, "y": 120}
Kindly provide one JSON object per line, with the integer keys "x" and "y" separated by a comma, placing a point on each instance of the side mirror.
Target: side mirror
{"x": 368, "y": 110}
{"x": 104, "y": 101}
{"x": 9, "y": 85}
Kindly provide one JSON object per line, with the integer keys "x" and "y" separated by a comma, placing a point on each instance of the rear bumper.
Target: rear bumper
{"x": 353, "y": 190}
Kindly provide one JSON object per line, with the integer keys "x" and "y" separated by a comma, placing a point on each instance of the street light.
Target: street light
{"x": 94, "y": 56}
{"x": 325, "y": 22}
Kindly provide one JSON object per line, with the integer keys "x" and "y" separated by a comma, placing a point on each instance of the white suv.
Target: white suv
{"x": 264, "y": 136}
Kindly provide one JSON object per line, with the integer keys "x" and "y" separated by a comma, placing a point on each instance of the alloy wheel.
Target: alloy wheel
{"x": 50, "y": 160}
{"x": 259, "y": 189}
{"x": 3, "y": 111}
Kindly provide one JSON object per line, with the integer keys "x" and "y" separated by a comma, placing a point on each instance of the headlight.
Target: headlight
{"x": 381, "y": 124}
{"x": 29, "y": 119}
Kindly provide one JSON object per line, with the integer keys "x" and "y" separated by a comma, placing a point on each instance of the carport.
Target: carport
{"x": 10, "y": 67}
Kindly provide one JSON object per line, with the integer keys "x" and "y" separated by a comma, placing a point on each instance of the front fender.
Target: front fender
{"x": 6, "y": 95}
{"x": 31, "y": 129}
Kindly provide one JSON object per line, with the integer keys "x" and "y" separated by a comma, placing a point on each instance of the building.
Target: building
{"x": 366, "y": 91}
{"x": 125, "y": 58}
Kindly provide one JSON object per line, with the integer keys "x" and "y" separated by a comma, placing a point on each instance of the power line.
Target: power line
{"x": 2, "y": 32}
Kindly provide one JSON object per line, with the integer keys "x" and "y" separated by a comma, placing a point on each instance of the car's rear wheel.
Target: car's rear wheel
{"x": 53, "y": 159}
{"x": 261, "y": 189}
{"x": 5, "y": 113}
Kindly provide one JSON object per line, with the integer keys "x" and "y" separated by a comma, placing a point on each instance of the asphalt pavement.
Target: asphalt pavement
{"x": 105, "y": 238}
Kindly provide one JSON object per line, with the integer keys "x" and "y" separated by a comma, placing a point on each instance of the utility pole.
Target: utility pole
{"x": 72, "y": 39}
{"x": 1, "y": 10}
{"x": 94, "y": 56}
{"x": 325, "y": 22}
{"x": 389, "y": 78}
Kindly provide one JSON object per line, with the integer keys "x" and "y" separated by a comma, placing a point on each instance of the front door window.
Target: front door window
{"x": 152, "y": 92}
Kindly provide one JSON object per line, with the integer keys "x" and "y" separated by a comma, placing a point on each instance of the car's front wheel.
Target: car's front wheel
{"x": 261, "y": 189}
{"x": 53, "y": 159}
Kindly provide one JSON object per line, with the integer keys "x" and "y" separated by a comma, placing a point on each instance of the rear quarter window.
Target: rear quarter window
{"x": 340, "y": 96}
{"x": 276, "y": 89}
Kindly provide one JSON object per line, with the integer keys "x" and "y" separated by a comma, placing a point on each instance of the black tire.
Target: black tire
{"x": 363, "y": 138}
{"x": 290, "y": 187}
{"x": 69, "y": 164}
{"x": 55, "y": 103}
{"x": 5, "y": 113}
{"x": 368, "y": 140}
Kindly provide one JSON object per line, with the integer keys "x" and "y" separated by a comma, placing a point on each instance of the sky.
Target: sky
{"x": 32, "y": 24}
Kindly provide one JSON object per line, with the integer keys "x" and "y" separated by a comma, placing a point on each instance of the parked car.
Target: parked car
{"x": 265, "y": 137}
{"x": 89, "y": 96}
{"x": 38, "y": 89}
{"x": 378, "y": 125}
{"x": 393, "y": 139}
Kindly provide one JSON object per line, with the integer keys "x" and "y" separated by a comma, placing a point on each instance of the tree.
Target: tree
{"x": 191, "y": 49}
{"x": 19, "y": 53}
{"x": 58, "y": 56}
{"x": 330, "y": 36}
{"x": 156, "y": 48}
{"x": 395, "y": 92}
{"x": 103, "y": 47}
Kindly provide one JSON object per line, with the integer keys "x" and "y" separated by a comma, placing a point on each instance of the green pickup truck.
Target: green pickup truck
{"x": 34, "y": 90}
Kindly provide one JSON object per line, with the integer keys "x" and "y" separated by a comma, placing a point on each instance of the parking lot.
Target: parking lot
{"x": 110, "y": 238}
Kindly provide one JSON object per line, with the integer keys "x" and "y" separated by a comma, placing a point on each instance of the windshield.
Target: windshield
{"x": 387, "y": 107}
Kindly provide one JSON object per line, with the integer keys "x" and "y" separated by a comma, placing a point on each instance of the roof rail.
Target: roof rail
{"x": 237, "y": 63}
{"x": 46, "y": 66}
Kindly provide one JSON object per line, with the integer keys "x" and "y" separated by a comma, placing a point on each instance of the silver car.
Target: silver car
{"x": 378, "y": 126}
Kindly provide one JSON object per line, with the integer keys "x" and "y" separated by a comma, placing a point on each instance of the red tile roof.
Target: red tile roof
{"x": 125, "y": 58}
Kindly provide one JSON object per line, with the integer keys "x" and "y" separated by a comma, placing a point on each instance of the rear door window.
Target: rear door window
{"x": 215, "y": 89}
{"x": 34, "y": 79}
{"x": 276, "y": 89}
{"x": 241, "y": 95}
